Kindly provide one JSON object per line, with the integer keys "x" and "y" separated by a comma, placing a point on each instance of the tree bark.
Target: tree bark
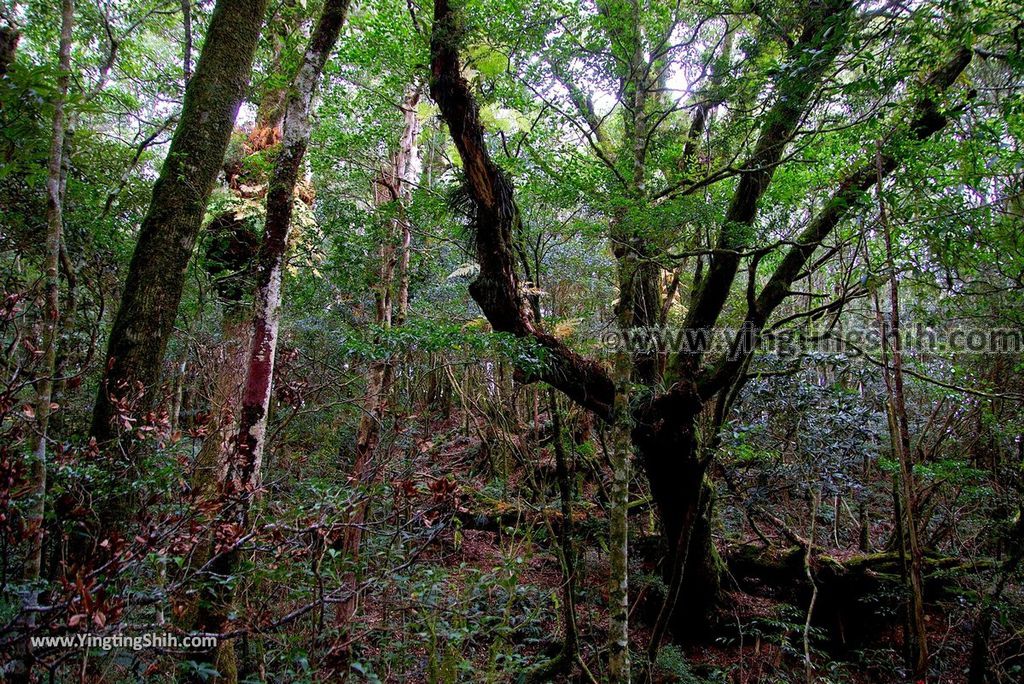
{"x": 152, "y": 291}
{"x": 234, "y": 266}
{"x": 917, "y": 636}
{"x": 394, "y": 185}
{"x": 243, "y": 463}
{"x": 186, "y": 47}
{"x": 51, "y": 306}
{"x": 248, "y": 452}
{"x": 156, "y": 275}
{"x": 496, "y": 288}
{"x": 37, "y": 471}
{"x": 618, "y": 528}
{"x": 9, "y": 38}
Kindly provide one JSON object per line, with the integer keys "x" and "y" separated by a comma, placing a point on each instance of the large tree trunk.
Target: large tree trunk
{"x": 665, "y": 435}
{"x": 496, "y": 288}
{"x": 243, "y": 464}
{"x": 155, "y": 279}
{"x": 152, "y": 291}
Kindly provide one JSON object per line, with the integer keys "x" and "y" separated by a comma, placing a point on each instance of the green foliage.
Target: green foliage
{"x": 595, "y": 175}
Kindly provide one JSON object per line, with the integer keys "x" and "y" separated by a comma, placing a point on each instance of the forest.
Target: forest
{"x": 512, "y": 341}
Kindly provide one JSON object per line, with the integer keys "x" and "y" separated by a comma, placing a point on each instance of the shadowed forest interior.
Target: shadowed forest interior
{"x": 512, "y": 341}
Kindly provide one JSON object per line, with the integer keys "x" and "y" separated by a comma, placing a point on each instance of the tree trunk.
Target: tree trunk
{"x": 394, "y": 185}
{"x": 51, "y": 306}
{"x": 664, "y": 432}
{"x": 34, "y": 514}
{"x": 152, "y": 290}
{"x": 897, "y": 408}
{"x": 236, "y": 326}
{"x": 9, "y": 38}
{"x": 665, "y": 436}
{"x": 566, "y": 536}
{"x": 186, "y": 47}
{"x": 243, "y": 463}
{"x": 618, "y": 529}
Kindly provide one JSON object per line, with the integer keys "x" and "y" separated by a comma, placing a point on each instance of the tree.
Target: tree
{"x": 152, "y": 291}
{"x": 392, "y": 191}
{"x": 241, "y": 478}
{"x": 51, "y": 332}
{"x": 9, "y": 38}
{"x": 667, "y": 423}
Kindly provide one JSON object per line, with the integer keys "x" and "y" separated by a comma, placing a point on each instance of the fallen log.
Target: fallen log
{"x": 857, "y": 595}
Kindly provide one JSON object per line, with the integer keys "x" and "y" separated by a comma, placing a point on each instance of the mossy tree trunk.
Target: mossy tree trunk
{"x": 156, "y": 274}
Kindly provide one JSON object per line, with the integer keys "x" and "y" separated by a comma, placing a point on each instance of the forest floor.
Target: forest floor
{"x": 760, "y": 639}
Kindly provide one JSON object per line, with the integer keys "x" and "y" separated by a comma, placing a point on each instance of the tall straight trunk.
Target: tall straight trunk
{"x": 394, "y": 185}
{"x": 566, "y": 541}
{"x": 918, "y": 636}
{"x": 407, "y": 171}
{"x": 233, "y": 351}
{"x": 20, "y": 668}
{"x": 156, "y": 276}
{"x": 232, "y": 354}
{"x": 270, "y": 266}
{"x": 243, "y": 464}
{"x": 618, "y": 529}
{"x": 51, "y": 306}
